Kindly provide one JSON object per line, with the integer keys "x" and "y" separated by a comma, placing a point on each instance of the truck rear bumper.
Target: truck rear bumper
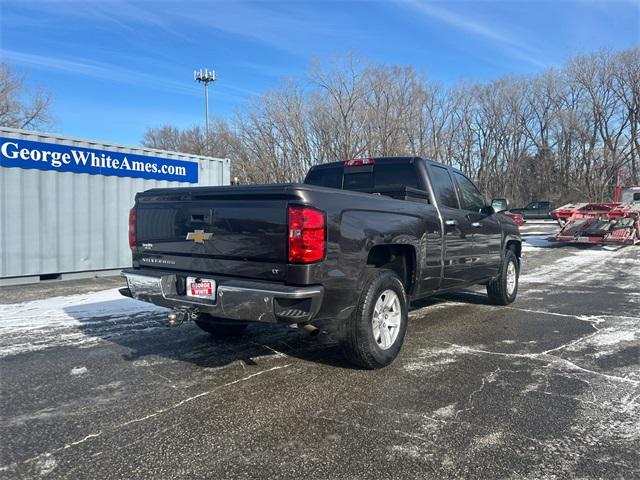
{"x": 235, "y": 300}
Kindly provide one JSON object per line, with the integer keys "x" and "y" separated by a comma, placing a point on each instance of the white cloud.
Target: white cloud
{"x": 117, "y": 74}
{"x": 99, "y": 70}
{"x": 499, "y": 37}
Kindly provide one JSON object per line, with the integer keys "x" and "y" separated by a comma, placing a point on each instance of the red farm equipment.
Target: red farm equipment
{"x": 616, "y": 222}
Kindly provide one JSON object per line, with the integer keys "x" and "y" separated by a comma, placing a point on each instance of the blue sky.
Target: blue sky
{"x": 118, "y": 67}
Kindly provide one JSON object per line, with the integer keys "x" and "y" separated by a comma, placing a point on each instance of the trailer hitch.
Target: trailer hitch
{"x": 180, "y": 315}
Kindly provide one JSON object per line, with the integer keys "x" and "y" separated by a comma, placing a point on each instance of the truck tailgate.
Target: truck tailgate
{"x": 235, "y": 231}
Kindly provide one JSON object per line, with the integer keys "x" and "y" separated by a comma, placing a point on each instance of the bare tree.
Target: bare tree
{"x": 193, "y": 140}
{"x": 19, "y": 106}
{"x": 626, "y": 87}
{"x": 561, "y": 135}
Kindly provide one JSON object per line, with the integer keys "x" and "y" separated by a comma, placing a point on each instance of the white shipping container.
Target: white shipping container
{"x": 55, "y": 222}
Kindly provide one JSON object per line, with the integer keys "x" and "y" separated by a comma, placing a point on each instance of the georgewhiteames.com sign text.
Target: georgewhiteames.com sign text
{"x": 70, "y": 158}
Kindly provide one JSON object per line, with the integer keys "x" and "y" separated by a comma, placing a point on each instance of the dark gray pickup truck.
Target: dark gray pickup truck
{"x": 354, "y": 244}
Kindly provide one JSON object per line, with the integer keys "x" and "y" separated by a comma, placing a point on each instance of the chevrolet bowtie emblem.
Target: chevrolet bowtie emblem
{"x": 199, "y": 236}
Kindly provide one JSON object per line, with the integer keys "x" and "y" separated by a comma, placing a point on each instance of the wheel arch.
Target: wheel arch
{"x": 399, "y": 258}
{"x": 514, "y": 244}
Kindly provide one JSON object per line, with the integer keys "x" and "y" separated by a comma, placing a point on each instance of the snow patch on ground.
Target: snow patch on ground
{"x": 73, "y": 320}
{"x": 413, "y": 451}
{"x": 490, "y": 440}
{"x": 78, "y": 371}
{"x": 70, "y": 309}
{"x": 431, "y": 359}
{"x": 46, "y": 465}
{"x": 448, "y": 411}
{"x": 414, "y": 366}
{"x": 588, "y": 266}
{"x": 613, "y": 337}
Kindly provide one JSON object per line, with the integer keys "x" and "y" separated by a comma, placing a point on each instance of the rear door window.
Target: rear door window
{"x": 471, "y": 197}
{"x": 443, "y": 187}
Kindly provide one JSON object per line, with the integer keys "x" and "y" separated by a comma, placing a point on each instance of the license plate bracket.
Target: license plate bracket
{"x": 204, "y": 288}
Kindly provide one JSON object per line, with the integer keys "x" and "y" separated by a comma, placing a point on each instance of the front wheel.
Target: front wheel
{"x": 375, "y": 331}
{"x": 503, "y": 290}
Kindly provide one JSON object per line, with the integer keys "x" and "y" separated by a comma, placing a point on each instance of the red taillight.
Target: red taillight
{"x": 306, "y": 234}
{"x": 359, "y": 161}
{"x": 132, "y": 229}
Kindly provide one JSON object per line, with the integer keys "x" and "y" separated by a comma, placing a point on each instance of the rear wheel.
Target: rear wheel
{"x": 220, "y": 328}
{"x": 503, "y": 290}
{"x": 375, "y": 331}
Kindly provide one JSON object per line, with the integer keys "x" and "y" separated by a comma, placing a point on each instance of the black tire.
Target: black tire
{"x": 497, "y": 290}
{"x": 358, "y": 342}
{"x": 221, "y": 328}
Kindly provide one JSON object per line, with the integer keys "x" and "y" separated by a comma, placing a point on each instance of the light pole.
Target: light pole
{"x": 205, "y": 77}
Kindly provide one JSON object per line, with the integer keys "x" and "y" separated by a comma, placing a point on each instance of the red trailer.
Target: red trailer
{"x": 616, "y": 222}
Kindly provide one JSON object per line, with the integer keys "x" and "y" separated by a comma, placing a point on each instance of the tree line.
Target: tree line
{"x": 564, "y": 134}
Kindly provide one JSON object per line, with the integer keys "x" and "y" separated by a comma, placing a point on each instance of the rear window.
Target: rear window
{"x": 361, "y": 178}
{"x": 325, "y": 177}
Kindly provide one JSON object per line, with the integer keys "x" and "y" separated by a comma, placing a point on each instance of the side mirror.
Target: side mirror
{"x": 500, "y": 204}
{"x": 487, "y": 210}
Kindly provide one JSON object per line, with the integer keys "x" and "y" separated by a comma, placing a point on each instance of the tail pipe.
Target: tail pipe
{"x": 310, "y": 329}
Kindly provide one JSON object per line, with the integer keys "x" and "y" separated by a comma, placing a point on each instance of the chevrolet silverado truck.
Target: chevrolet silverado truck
{"x": 353, "y": 245}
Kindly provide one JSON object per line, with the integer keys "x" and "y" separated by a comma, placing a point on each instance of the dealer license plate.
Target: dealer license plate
{"x": 201, "y": 288}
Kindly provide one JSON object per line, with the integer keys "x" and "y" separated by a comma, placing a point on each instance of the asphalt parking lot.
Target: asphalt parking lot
{"x": 94, "y": 386}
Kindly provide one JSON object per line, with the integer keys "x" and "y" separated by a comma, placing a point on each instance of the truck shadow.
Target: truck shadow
{"x": 142, "y": 333}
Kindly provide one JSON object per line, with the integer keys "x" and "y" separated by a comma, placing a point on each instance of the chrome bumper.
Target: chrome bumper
{"x": 236, "y": 299}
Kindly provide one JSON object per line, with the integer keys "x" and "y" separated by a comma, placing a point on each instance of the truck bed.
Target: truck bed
{"x": 247, "y": 227}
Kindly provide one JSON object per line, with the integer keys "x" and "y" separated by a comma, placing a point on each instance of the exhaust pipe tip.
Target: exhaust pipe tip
{"x": 310, "y": 329}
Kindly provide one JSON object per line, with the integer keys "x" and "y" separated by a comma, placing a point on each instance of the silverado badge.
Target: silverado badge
{"x": 199, "y": 236}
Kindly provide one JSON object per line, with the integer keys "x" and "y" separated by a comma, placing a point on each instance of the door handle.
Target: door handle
{"x": 451, "y": 222}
